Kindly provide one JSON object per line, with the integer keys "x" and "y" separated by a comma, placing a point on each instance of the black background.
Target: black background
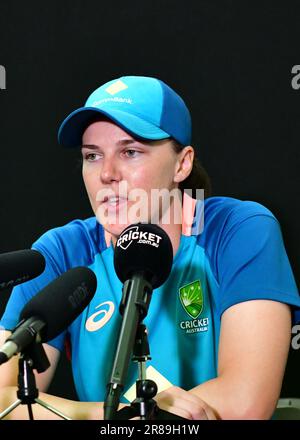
{"x": 230, "y": 60}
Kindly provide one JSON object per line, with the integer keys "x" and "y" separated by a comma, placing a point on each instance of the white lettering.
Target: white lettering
{"x": 195, "y": 326}
{"x": 116, "y": 430}
{"x": 2, "y": 78}
{"x": 100, "y": 101}
{"x": 296, "y": 79}
{"x": 296, "y": 339}
{"x": 143, "y": 235}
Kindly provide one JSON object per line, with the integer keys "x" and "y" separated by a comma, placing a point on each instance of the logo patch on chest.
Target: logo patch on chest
{"x": 192, "y": 300}
{"x": 101, "y": 317}
{"x": 191, "y": 297}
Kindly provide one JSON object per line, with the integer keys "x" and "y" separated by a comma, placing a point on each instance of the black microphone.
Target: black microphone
{"x": 20, "y": 266}
{"x": 53, "y": 309}
{"x": 143, "y": 259}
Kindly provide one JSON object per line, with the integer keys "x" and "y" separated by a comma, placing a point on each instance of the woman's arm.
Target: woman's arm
{"x": 8, "y": 391}
{"x": 253, "y": 350}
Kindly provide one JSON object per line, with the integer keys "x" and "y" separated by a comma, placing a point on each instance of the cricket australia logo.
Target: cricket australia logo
{"x": 191, "y": 298}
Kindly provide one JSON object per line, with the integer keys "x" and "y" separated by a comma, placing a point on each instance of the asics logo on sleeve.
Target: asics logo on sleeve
{"x": 93, "y": 323}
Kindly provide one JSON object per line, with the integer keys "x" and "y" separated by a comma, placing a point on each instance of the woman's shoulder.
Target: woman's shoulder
{"x": 222, "y": 215}
{"x": 77, "y": 241}
{"x": 225, "y": 207}
{"x": 74, "y": 229}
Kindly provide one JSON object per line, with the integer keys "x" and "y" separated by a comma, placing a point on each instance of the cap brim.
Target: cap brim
{"x": 72, "y": 128}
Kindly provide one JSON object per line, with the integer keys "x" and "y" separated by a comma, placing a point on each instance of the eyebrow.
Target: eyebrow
{"x": 121, "y": 142}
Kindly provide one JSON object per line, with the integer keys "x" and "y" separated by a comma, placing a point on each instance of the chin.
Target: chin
{"x": 115, "y": 230}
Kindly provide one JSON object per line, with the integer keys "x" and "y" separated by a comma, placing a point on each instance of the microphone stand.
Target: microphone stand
{"x": 144, "y": 405}
{"x": 34, "y": 356}
{"x": 136, "y": 297}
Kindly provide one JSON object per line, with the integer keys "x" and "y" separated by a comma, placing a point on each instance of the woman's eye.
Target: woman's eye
{"x": 131, "y": 153}
{"x": 91, "y": 157}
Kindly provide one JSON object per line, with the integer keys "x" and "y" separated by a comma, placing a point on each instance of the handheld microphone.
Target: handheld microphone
{"x": 53, "y": 309}
{"x": 143, "y": 259}
{"x": 20, "y": 266}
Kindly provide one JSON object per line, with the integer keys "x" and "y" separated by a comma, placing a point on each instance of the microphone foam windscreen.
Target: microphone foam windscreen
{"x": 20, "y": 266}
{"x": 144, "y": 247}
{"x": 61, "y": 301}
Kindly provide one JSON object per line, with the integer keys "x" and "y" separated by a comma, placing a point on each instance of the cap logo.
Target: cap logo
{"x": 116, "y": 87}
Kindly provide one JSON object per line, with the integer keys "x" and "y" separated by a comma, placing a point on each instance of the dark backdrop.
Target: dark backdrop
{"x": 230, "y": 60}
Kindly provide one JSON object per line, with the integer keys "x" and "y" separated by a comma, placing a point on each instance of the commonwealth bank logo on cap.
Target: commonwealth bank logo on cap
{"x": 116, "y": 87}
{"x": 145, "y": 107}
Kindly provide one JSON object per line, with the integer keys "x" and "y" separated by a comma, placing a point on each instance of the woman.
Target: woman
{"x": 219, "y": 327}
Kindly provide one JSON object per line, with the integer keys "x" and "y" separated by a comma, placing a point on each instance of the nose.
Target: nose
{"x": 110, "y": 171}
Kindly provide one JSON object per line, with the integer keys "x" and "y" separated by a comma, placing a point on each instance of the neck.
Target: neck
{"x": 174, "y": 233}
{"x": 171, "y": 223}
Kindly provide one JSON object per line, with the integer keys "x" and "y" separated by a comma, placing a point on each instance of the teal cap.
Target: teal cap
{"x": 145, "y": 107}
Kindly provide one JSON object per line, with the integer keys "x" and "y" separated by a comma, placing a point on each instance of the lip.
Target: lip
{"x": 119, "y": 200}
{"x": 115, "y": 207}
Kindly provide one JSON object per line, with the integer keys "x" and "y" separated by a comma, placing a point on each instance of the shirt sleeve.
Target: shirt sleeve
{"x": 253, "y": 263}
{"x": 24, "y": 292}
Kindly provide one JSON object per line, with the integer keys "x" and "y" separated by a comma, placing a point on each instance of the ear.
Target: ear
{"x": 184, "y": 164}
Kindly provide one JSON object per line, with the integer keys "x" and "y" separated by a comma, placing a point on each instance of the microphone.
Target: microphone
{"x": 53, "y": 309}
{"x": 143, "y": 259}
{"x": 20, "y": 266}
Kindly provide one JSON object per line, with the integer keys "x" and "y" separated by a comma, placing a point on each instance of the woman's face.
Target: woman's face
{"x": 115, "y": 164}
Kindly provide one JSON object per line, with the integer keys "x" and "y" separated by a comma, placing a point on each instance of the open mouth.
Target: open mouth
{"x": 114, "y": 204}
{"x": 114, "y": 201}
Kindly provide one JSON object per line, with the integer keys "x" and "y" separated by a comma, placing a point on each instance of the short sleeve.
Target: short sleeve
{"x": 24, "y": 292}
{"x": 253, "y": 263}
